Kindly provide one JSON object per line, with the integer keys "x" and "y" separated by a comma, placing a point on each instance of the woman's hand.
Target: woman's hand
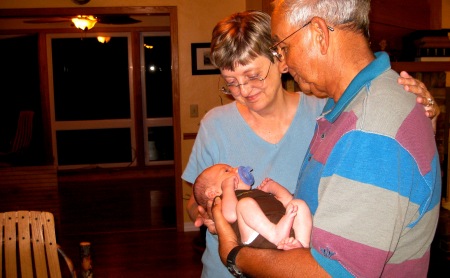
{"x": 423, "y": 96}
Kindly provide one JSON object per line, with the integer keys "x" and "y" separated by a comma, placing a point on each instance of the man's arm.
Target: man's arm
{"x": 291, "y": 263}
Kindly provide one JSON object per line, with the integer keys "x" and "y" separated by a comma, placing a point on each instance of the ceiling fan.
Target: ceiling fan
{"x": 119, "y": 19}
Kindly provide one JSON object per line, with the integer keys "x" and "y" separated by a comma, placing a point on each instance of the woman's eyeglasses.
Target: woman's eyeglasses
{"x": 235, "y": 87}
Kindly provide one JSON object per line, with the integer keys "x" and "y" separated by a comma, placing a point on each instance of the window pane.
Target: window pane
{"x": 19, "y": 78}
{"x": 94, "y": 146}
{"x": 158, "y": 76}
{"x": 91, "y": 79}
{"x": 160, "y": 140}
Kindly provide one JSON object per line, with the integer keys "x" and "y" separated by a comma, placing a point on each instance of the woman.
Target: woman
{"x": 266, "y": 126}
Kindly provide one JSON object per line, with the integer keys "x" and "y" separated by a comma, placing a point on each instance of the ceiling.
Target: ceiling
{"x": 20, "y": 23}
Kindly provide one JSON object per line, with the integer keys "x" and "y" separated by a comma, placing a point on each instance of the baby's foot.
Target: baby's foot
{"x": 264, "y": 183}
{"x": 291, "y": 210}
{"x": 283, "y": 227}
{"x": 289, "y": 243}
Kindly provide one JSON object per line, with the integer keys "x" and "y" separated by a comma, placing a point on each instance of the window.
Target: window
{"x": 93, "y": 99}
{"x": 157, "y": 91}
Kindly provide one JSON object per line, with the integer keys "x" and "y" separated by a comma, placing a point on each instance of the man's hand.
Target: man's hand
{"x": 227, "y": 237}
{"x": 204, "y": 219}
{"x": 198, "y": 215}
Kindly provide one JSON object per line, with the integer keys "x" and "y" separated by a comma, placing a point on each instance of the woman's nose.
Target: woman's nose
{"x": 245, "y": 89}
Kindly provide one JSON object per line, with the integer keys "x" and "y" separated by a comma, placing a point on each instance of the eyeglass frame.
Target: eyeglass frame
{"x": 274, "y": 47}
{"x": 228, "y": 92}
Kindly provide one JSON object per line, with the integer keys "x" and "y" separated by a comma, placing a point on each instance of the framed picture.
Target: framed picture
{"x": 201, "y": 63}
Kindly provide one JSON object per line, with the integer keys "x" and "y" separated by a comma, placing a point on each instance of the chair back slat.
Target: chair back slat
{"x": 2, "y": 225}
{"x": 51, "y": 247}
{"x": 24, "y": 239}
{"x": 24, "y": 131}
{"x": 10, "y": 244}
{"x": 28, "y": 245}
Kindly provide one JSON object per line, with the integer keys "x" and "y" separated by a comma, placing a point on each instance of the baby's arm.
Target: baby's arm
{"x": 276, "y": 189}
{"x": 229, "y": 199}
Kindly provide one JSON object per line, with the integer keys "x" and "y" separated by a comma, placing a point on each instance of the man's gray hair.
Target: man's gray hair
{"x": 345, "y": 14}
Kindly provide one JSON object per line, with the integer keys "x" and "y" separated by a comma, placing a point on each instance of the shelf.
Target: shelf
{"x": 420, "y": 66}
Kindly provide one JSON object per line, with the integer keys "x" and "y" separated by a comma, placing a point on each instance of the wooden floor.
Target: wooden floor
{"x": 131, "y": 227}
{"x": 162, "y": 253}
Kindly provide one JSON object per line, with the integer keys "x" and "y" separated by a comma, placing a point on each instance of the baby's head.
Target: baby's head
{"x": 209, "y": 183}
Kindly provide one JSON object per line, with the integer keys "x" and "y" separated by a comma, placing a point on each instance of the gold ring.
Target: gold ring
{"x": 430, "y": 102}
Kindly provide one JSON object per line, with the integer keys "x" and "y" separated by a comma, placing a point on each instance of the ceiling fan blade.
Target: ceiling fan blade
{"x": 48, "y": 20}
{"x": 116, "y": 19}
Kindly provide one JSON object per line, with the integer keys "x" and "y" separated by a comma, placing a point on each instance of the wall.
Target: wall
{"x": 445, "y": 14}
{"x": 196, "y": 20}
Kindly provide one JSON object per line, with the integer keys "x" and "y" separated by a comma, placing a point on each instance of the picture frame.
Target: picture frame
{"x": 201, "y": 64}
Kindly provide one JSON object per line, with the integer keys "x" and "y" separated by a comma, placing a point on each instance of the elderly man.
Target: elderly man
{"x": 371, "y": 176}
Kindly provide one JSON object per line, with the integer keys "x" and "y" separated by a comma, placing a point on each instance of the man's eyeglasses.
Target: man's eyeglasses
{"x": 274, "y": 48}
{"x": 235, "y": 87}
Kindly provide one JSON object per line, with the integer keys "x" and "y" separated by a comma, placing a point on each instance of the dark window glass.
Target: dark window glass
{"x": 158, "y": 77}
{"x": 19, "y": 78}
{"x": 162, "y": 138}
{"x": 90, "y": 79}
{"x": 94, "y": 146}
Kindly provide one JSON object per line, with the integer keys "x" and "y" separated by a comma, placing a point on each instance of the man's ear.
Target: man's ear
{"x": 321, "y": 34}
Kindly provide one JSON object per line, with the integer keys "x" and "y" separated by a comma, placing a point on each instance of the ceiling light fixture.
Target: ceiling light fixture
{"x": 103, "y": 39}
{"x": 84, "y": 22}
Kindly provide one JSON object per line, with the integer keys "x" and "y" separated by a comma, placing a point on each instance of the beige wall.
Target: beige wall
{"x": 195, "y": 22}
{"x": 445, "y": 14}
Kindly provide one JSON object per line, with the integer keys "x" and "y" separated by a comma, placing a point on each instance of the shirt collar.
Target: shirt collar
{"x": 381, "y": 64}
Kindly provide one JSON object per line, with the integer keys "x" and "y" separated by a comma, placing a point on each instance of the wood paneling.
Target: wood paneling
{"x": 29, "y": 188}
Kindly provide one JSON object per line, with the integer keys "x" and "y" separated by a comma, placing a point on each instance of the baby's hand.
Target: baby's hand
{"x": 230, "y": 183}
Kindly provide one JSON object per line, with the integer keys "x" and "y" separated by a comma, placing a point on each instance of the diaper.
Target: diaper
{"x": 251, "y": 238}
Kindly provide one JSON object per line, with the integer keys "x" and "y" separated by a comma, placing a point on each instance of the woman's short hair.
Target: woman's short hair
{"x": 239, "y": 38}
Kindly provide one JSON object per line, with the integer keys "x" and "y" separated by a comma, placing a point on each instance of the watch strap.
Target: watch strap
{"x": 231, "y": 262}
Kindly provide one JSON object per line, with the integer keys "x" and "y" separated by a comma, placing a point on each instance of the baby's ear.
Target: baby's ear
{"x": 210, "y": 193}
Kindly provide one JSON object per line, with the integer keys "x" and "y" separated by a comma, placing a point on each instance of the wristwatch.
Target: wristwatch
{"x": 231, "y": 262}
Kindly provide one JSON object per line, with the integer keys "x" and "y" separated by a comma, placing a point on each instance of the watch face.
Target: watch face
{"x": 234, "y": 270}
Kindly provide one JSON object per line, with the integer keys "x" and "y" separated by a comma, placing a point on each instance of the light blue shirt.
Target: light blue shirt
{"x": 225, "y": 137}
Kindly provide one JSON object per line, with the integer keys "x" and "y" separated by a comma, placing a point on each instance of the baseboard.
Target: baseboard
{"x": 190, "y": 227}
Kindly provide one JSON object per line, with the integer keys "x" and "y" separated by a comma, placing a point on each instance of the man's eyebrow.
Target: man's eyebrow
{"x": 275, "y": 38}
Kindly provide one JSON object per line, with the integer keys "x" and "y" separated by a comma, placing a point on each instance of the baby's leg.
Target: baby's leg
{"x": 251, "y": 218}
{"x": 302, "y": 223}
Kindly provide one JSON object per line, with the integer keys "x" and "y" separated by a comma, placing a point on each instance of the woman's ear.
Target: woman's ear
{"x": 282, "y": 66}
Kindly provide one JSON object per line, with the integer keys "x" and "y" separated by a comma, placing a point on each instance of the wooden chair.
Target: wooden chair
{"x": 28, "y": 246}
{"x": 22, "y": 138}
